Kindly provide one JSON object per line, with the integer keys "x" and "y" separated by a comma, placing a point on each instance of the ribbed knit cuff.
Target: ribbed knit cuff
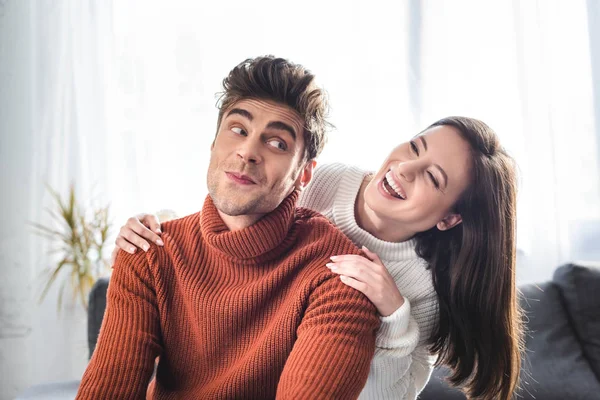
{"x": 393, "y": 327}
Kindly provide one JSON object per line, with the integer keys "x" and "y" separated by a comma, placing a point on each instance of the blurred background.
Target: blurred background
{"x": 117, "y": 98}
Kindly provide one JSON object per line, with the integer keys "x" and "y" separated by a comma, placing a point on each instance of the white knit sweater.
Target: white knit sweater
{"x": 402, "y": 365}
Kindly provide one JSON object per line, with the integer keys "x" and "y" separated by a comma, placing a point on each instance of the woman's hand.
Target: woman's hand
{"x": 371, "y": 278}
{"x": 133, "y": 233}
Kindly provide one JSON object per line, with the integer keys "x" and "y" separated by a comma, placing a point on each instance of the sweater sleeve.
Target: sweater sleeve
{"x": 399, "y": 331}
{"x": 402, "y": 364}
{"x": 129, "y": 339}
{"x": 335, "y": 343}
{"x": 390, "y": 375}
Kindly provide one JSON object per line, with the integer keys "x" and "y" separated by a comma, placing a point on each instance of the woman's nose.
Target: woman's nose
{"x": 406, "y": 170}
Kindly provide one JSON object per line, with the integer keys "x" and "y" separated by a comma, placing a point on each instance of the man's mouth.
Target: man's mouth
{"x": 392, "y": 188}
{"x": 240, "y": 178}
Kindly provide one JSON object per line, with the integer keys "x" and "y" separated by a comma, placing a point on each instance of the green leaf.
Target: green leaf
{"x": 80, "y": 239}
{"x": 60, "y": 295}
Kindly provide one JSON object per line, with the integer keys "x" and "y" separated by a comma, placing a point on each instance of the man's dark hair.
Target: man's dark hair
{"x": 283, "y": 82}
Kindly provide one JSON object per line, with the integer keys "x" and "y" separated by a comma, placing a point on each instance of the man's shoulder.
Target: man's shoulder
{"x": 315, "y": 220}
{"x": 179, "y": 235}
{"x": 184, "y": 223}
{"x": 320, "y": 230}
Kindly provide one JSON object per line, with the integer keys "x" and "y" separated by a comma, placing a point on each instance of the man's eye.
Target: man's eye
{"x": 277, "y": 144}
{"x": 238, "y": 131}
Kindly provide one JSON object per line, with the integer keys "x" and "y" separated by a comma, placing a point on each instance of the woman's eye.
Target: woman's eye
{"x": 414, "y": 147}
{"x": 278, "y": 144}
{"x": 433, "y": 180}
{"x": 238, "y": 131}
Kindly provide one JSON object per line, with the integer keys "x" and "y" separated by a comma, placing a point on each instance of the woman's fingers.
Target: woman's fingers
{"x": 150, "y": 221}
{"x": 370, "y": 277}
{"x": 354, "y": 270}
{"x": 124, "y": 245}
{"x": 138, "y": 228}
{"x": 347, "y": 257}
{"x": 372, "y": 256}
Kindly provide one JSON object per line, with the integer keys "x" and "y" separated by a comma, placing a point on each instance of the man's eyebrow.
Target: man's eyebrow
{"x": 282, "y": 126}
{"x": 242, "y": 112}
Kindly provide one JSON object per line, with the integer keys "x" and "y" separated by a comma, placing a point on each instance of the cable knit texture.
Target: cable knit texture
{"x": 402, "y": 364}
{"x": 247, "y": 314}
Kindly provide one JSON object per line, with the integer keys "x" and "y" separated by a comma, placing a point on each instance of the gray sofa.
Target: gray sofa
{"x": 563, "y": 341}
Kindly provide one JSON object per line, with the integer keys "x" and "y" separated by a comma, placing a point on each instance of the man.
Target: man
{"x": 238, "y": 302}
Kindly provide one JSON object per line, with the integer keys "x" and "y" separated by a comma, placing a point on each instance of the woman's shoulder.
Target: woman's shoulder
{"x": 324, "y": 186}
{"x": 328, "y": 171}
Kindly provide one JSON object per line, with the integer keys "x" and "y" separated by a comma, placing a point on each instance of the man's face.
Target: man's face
{"x": 257, "y": 158}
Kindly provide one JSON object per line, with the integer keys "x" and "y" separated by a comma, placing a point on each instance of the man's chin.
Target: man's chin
{"x": 238, "y": 207}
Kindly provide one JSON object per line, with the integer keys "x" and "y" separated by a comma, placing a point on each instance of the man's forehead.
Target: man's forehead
{"x": 270, "y": 110}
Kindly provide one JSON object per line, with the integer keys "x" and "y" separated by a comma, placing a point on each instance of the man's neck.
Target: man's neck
{"x": 239, "y": 222}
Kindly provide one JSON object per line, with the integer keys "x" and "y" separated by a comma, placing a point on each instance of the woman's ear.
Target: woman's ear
{"x": 450, "y": 221}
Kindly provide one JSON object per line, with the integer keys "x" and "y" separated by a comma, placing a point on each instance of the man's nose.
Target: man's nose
{"x": 249, "y": 151}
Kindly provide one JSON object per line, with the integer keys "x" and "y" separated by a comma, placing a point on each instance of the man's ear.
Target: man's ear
{"x": 305, "y": 175}
{"x": 450, "y": 221}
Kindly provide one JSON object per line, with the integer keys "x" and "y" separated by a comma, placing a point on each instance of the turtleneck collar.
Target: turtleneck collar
{"x": 258, "y": 243}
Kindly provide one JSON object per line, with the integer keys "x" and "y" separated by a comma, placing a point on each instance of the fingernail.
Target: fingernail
{"x": 146, "y": 247}
{"x": 160, "y": 242}
{"x": 365, "y": 248}
{"x": 331, "y": 266}
{"x": 333, "y": 258}
{"x": 132, "y": 250}
{"x": 343, "y": 277}
{"x": 158, "y": 231}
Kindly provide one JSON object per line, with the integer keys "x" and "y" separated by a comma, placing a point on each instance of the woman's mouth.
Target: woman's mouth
{"x": 391, "y": 187}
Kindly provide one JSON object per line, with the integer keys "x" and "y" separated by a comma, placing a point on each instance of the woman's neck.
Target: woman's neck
{"x": 368, "y": 220}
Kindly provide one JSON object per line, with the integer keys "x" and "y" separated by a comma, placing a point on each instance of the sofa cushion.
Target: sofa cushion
{"x": 554, "y": 366}
{"x": 96, "y": 308}
{"x": 580, "y": 286}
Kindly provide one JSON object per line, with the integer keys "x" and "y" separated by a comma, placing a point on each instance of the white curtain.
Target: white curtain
{"x": 120, "y": 98}
{"x": 53, "y": 126}
{"x": 525, "y": 68}
{"x": 391, "y": 69}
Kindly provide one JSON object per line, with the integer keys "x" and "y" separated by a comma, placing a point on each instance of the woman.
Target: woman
{"x": 437, "y": 222}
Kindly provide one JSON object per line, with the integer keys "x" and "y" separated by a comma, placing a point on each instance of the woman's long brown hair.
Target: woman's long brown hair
{"x": 479, "y": 335}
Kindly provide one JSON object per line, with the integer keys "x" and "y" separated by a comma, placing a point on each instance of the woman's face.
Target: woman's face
{"x": 421, "y": 180}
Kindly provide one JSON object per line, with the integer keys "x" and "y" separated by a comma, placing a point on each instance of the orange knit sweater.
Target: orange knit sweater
{"x": 248, "y": 314}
